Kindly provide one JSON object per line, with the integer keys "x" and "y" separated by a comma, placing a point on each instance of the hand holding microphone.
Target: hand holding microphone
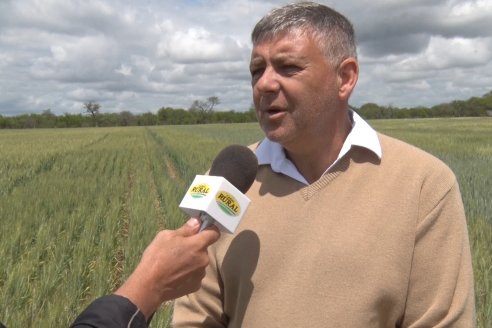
{"x": 218, "y": 198}
{"x": 172, "y": 265}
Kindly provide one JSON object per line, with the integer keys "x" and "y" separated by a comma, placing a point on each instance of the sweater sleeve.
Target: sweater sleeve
{"x": 110, "y": 311}
{"x": 440, "y": 290}
{"x": 203, "y": 308}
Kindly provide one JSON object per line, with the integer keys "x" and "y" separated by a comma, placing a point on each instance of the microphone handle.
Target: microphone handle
{"x": 207, "y": 221}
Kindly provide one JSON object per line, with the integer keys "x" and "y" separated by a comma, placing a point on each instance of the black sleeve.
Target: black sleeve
{"x": 110, "y": 311}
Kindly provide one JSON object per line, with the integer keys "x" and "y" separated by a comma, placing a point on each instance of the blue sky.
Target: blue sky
{"x": 143, "y": 55}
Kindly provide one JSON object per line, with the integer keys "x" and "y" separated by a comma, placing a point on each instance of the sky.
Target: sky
{"x": 139, "y": 56}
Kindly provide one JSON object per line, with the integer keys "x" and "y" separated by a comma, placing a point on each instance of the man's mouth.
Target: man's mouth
{"x": 274, "y": 111}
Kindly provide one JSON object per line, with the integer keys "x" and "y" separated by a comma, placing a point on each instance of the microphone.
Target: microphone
{"x": 218, "y": 198}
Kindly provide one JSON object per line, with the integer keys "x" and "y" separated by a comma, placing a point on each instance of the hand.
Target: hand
{"x": 173, "y": 265}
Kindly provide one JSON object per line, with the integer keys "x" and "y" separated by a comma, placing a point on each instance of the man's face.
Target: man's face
{"x": 294, "y": 89}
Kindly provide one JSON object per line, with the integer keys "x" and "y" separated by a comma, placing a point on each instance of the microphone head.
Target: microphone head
{"x": 238, "y": 165}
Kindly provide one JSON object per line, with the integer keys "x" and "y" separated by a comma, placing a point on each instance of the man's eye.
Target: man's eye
{"x": 290, "y": 69}
{"x": 255, "y": 73}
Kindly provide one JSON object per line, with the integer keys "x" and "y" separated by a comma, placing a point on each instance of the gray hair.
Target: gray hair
{"x": 331, "y": 30}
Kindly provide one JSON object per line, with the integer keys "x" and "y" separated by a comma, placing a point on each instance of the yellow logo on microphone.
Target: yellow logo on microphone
{"x": 199, "y": 190}
{"x": 227, "y": 203}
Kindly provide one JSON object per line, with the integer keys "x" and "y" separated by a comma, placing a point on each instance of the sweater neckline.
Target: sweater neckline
{"x": 310, "y": 190}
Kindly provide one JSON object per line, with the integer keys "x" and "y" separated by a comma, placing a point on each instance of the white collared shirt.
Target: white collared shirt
{"x": 272, "y": 153}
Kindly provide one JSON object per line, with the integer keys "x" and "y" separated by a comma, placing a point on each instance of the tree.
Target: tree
{"x": 92, "y": 108}
{"x": 47, "y": 119}
{"x": 212, "y": 101}
{"x": 371, "y": 111}
{"x": 205, "y": 106}
{"x": 147, "y": 119}
{"x": 126, "y": 118}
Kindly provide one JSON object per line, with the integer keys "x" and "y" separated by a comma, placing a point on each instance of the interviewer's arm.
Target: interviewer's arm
{"x": 173, "y": 265}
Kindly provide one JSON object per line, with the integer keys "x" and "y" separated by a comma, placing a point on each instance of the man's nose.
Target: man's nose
{"x": 268, "y": 82}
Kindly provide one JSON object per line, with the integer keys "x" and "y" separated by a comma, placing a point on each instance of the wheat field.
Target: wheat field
{"x": 78, "y": 206}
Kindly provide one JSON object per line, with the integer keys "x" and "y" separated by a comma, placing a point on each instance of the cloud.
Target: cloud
{"x": 451, "y": 53}
{"x": 396, "y": 27}
{"x": 440, "y": 55}
{"x": 141, "y": 56}
{"x": 199, "y": 45}
{"x": 124, "y": 70}
{"x": 85, "y": 59}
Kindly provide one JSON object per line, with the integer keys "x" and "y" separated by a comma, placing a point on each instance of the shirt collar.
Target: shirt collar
{"x": 362, "y": 135}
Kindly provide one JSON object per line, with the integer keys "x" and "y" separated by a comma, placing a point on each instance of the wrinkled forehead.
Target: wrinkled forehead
{"x": 286, "y": 41}
{"x": 287, "y": 32}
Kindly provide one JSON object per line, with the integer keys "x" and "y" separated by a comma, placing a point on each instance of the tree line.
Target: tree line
{"x": 202, "y": 112}
{"x": 475, "y": 106}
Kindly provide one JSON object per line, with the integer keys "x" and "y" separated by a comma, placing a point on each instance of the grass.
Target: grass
{"x": 78, "y": 206}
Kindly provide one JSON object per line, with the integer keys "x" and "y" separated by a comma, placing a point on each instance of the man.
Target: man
{"x": 347, "y": 227}
{"x": 171, "y": 266}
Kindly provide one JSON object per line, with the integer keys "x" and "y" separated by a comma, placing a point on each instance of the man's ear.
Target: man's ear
{"x": 348, "y": 73}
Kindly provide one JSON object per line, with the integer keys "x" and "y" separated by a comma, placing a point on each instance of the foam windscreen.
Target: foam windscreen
{"x": 238, "y": 165}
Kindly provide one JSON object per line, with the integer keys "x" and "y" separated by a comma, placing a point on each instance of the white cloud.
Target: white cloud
{"x": 59, "y": 53}
{"x": 89, "y": 58}
{"x": 84, "y": 95}
{"x": 61, "y": 16}
{"x": 141, "y": 56}
{"x": 198, "y": 45}
{"x": 124, "y": 70}
{"x": 5, "y": 59}
{"x": 448, "y": 53}
{"x": 468, "y": 11}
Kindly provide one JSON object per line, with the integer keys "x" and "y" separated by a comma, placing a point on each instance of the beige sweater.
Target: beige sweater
{"x": 370, "y": 244}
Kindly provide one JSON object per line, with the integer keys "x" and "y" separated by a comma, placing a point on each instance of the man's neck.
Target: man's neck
{"x": 321, "y": 152}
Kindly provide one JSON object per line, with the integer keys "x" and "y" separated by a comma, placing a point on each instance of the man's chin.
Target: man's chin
{"x": 277, "y": 137}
